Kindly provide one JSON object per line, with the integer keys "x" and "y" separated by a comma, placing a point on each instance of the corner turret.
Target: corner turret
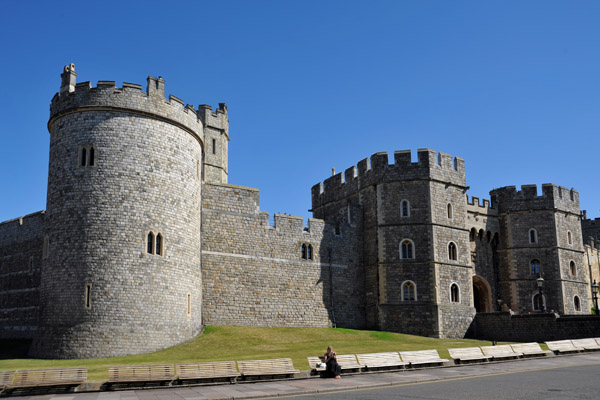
{"x": 216, "y": 134}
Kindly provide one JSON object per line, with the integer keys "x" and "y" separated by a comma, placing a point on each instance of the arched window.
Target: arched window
{"x": 454, "y": 293}
{"x": 407, "y": 250}
{"x": 92, "y": 155}
{"x": 535, "y": 267}
{"x": 150, "y": 243}
{"x": 538, "y": 301}
{"x": 159, "y": 244}
{"x": 452, "y": 251}
{"x": 83, "y": 156}
{"x": 405, "y": 208}
{"x": 472, "y": 235}
{"x": 569, "y": 237}
{"x": 409, "y": 291}
{"x": 532, "y": 236}
{"x": 449, "y": 209}
{"x": 309, "y": 252}
{"x": 572, "y": 268}
{"x": 577, "y": 303}
{"x": 304, "y": 251}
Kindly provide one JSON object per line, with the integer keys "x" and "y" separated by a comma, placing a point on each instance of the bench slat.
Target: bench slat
{"x": 467, "y": 354}
{"x": 500, "y": 351}
{"x": 218, "y": 369}
{"x": 48, "y": 377}
{"x": 379, "y": 360}
{"x": 529, "y": 349}
{"x": 563, "y": 346}
{"x": 587, "y": 344}
{"x": 141, "y": 373}
{"x": 422, "y": 357}
{"x": 6, "y": 378}
{"x": 277, "y": 366}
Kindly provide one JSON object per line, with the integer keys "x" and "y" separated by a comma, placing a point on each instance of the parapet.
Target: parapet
{"x": 130, "y": 98}
{"x": 22, "y": 228}
{"x": 376, "y": 169}
{"x": 552, "y": 197}
{"x": 485, "y": 208}
{"x": 216, "y": 120}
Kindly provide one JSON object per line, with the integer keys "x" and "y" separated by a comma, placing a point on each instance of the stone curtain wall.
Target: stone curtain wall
{"x": 503, "y": 326}
{"x": 253, "y": 273}
{"x": 20, "y": 262}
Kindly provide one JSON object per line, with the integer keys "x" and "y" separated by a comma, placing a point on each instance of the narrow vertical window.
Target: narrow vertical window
{"x": 189, "y": 304}
{"x": 449, "y": 209}
{"x": 452, "y": 251}
{"x": 337, "y": 229}
{"x": 214, "y": 146}
{"x": 409, "y": 291}
{"x": 569, "y": 237}
{"x": 572, "y": 268}
{"x": 309, "y": 252}
{"x": 88, "y": 295}
{"x": 532, "y": 236}
{"x": 454, "y": 293}
{"x": 83, "y": 156}
{"x": 577, "y": 303}
{"x": 158, "y": 247}
{"x": 303, "y": 251}
{"x": 150, "y": 243}
{"x": 45, "y": 246}
{"x": 405, "y": 209}
{"x": 535, "y": 267}
{"x": 92, "y": 157}
{"x": 406, "y": 249}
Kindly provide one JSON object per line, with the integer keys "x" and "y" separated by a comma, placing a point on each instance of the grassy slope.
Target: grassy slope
{"x": 220, "y": 343}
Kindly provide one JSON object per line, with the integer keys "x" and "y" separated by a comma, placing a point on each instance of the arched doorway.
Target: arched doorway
{"x": 482, "y": 295}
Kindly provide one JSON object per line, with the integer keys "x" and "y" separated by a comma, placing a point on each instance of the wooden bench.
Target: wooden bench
{"x": 6, "y": 378}
{"x": 586, "y": 344}
{"x": 381, "y": 360}
{"x": 276, "y": 366}
{"x": 467, "y": 354}
{"x": 563, "y": 346}
{"x": 207, "y": 370}
{"x": 151, "y": 373}
{"x": 44, "y": 378}
{"x": 530, "y": 349}
{"x": 422, "y": 357}
{"x": 500, "y": 352}
{"x": 346, "y": 361}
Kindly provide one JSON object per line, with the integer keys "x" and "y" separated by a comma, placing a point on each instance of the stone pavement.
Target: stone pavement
{"x": 317, "y": 385}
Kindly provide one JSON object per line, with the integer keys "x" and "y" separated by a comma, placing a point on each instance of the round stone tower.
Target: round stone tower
{"x": 121, "y": 259}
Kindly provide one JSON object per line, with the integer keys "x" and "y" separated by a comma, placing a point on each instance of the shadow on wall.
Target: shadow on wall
{"x": 14, "y": 348}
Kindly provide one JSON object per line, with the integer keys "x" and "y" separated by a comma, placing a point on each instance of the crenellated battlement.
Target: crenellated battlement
{"x": 484, "y": 207}
{"x": 216, "y": 120}
{"x": 131, "y": 98}
{"x": 552, "y": 197}
{"x": 431, "y": 165}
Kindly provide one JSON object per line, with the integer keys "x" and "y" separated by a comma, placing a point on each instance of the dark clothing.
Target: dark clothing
{"x": 333, "y": 369}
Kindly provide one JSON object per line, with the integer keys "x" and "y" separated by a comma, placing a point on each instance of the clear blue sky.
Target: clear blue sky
{"x": 510, "y": 86}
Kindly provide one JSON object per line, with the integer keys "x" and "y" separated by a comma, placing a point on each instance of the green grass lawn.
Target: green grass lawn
{"x": 232, "y": 343}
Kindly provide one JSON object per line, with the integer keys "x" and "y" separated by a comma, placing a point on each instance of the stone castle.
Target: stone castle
{"x": 143, "y": 241}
